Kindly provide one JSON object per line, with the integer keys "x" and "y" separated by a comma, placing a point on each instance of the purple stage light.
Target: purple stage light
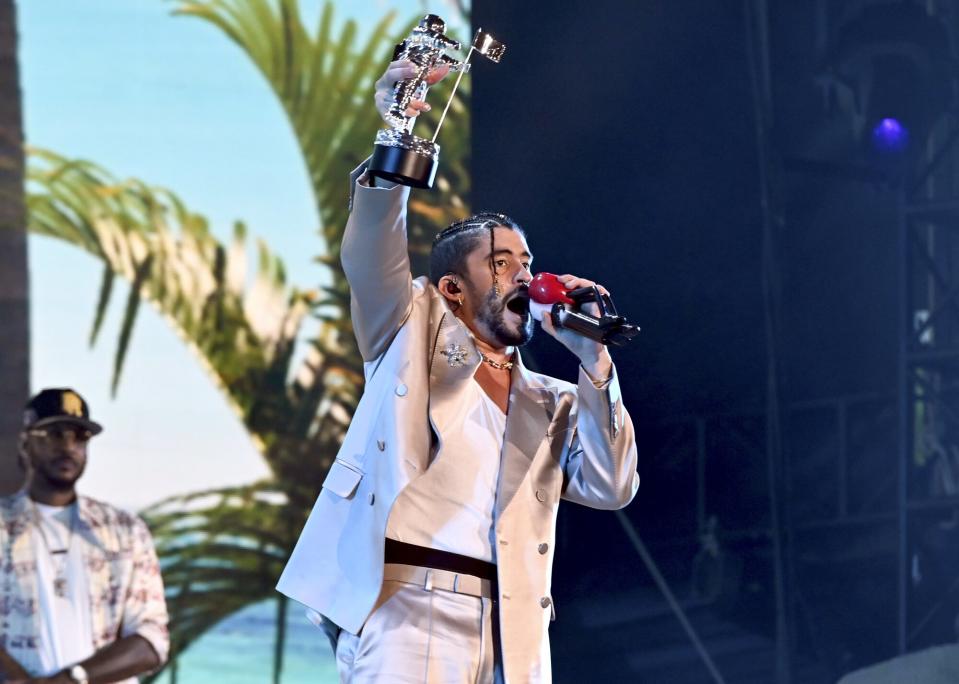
{"x": 890, "y": 136}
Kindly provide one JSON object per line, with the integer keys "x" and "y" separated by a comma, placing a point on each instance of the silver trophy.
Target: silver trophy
{"x": 398, "y": 155}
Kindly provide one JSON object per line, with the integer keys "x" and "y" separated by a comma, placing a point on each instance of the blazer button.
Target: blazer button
{"x": 401, "y": 390}
{"x": 545, "y": 602}
{"x": 541, "y": 495}
{"x": 371, "y": 498}
{"x": 542, "y": 548}
{"x": 381, "y": 445}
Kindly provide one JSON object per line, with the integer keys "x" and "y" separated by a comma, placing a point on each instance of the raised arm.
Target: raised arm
{"x": 377, "y": 265}
{"x": 374, "y": 250}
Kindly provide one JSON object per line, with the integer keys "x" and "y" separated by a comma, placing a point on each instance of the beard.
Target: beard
{"x": 59, "y": 479}
{"x": 491, "y": 313}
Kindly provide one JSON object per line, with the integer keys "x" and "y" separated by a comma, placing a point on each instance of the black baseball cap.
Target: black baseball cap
{"x": 58, "y": 405}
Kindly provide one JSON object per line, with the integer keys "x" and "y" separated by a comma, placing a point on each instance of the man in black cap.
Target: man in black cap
{"x": 81, "y": 597}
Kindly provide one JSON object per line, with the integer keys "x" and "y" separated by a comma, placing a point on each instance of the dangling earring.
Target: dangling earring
{"x": 459, "y": 299}
{"x": 496, "y": 288}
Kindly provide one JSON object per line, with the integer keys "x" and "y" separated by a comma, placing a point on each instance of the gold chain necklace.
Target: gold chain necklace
{"x": 498, "y": 365}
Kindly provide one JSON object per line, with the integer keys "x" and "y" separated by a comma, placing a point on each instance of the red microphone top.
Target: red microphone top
{"x": 545, "y": 288}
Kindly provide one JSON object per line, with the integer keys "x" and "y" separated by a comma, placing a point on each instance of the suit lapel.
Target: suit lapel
{"x": 526, "y": 425}
{"x": 453, "y": 362}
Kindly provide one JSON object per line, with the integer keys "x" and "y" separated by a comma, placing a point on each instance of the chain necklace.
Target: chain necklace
{"x": 498, "y": 365}
{"x": 60, "y": 583}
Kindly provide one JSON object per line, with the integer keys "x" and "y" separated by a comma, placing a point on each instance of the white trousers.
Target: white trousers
{"x": 421, "y": 635}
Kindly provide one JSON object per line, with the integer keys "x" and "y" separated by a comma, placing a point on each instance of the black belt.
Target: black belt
{"x": 410, "y": 554}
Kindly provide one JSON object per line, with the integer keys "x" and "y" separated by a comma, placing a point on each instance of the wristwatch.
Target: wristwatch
{"x": 78, "y": 674}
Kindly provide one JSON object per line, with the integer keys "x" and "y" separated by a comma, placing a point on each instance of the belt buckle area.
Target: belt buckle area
{"x": 432, "y": 579}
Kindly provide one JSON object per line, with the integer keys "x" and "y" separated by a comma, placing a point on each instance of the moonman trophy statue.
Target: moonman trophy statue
{"x": 398, "y": 155}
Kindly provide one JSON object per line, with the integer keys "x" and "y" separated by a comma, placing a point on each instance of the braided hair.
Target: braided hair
{"x": 454, "y": 244}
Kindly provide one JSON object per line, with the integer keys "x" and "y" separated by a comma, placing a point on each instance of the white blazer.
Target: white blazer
{"x": 573, "y": 442}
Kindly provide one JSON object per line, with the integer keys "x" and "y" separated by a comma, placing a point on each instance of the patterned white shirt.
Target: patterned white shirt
{"x": 126, "y": 589}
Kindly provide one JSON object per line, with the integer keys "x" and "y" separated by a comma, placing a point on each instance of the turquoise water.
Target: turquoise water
{"x": 240, "y": 651}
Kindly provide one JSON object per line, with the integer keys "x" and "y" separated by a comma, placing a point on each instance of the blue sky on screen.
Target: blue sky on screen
{"x": 171, "y": 101}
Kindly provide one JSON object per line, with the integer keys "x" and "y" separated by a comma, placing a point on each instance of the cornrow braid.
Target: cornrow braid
{"x": 453, "y": 244}
{"x": 484, "y": 219}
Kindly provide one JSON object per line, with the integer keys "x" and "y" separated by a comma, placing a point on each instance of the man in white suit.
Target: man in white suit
{"x": 428, "y": 554}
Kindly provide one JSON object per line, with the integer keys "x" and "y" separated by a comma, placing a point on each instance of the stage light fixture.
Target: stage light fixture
{"x": 889, "y": 135}
{"x": 891, "y": 71}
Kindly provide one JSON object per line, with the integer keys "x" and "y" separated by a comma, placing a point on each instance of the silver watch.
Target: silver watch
{"x": 78, "y": 674}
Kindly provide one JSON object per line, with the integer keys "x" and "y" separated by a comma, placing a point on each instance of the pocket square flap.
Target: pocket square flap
{"x": 342, "y": 479}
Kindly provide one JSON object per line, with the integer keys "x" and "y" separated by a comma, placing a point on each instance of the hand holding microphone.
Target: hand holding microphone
{"x": 588, "y": 311}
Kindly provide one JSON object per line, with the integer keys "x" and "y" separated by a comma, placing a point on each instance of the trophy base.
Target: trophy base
{"x": 400, "y": 164}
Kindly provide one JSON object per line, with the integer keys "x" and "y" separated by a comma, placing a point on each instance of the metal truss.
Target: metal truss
{"x": 928, "y": 394}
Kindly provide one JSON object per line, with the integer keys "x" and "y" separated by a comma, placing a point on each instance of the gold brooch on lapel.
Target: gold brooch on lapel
{"x": 456, "y": 355}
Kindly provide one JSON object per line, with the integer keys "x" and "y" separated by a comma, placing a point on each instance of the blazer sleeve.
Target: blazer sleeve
{"x": 599, "y": 463}
{"x": 376, "y": 263}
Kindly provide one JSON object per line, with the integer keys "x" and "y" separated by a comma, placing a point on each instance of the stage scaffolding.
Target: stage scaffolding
{"x": 928, "y": 393}
{"x": 870, "y": 481}
{"x": 845, "y": 509}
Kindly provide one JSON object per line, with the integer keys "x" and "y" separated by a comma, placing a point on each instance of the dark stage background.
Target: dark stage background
{"x": 623, "y": 136}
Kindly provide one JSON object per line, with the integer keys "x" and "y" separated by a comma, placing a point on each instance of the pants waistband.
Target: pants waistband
{"x": 411, "y": 554}
{"x": 444, "y": 580}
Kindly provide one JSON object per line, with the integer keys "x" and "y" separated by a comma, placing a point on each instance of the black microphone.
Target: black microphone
{"x": 547, "y": 294}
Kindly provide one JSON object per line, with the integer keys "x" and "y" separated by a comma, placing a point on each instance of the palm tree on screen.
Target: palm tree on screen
{"x": 224, "y": 549}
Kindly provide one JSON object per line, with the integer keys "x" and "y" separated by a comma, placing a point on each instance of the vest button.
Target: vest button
{"x": 542, "y": 548}
{"x": 545, "y": 602}
{"x": 541, "y": 495}
{"x": 401, "y": 390}
{"x": 381, "y": 445}
{"x": 371, "y": 498}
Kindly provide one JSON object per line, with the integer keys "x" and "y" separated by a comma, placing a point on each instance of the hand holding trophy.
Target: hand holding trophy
{"x": 398, "y": 155}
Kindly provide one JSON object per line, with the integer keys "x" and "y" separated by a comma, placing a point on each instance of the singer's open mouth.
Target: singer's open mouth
{"x": 519, "y": 303}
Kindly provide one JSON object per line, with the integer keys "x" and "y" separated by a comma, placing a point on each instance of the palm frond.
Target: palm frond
{"x": 220, "y": 550}
{"x": 243, "y": 335}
